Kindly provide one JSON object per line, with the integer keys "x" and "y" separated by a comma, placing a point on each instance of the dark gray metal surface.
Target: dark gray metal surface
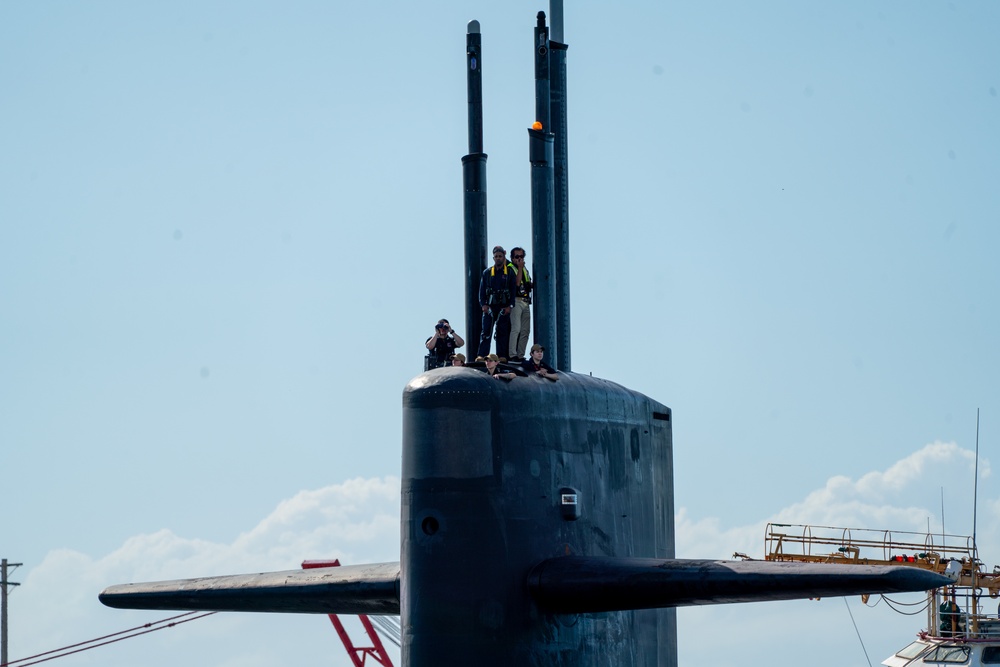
{"x": 540, "y": 155}
{"x": 542, "y": 98}
{"x": 560, "y": 200}
{"x": 351, "y": 589}
{"x": 474, "y": 182}
{"x": 483, "y": 464}
{"x": 474, "y": 85}
{"x": 580, "y": 585}
{"x": 543, "y": 270}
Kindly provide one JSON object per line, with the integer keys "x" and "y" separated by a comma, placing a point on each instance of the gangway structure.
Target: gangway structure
{"x": 951, "y": 612}
{"x": 360, "y": 654}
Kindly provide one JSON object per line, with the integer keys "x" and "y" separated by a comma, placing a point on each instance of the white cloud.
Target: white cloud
{"x": 901, "y": 498}
{"x": 356, "y": 521}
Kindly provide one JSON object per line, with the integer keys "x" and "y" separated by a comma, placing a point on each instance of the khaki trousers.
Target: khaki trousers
{"x": 520, "y": 327}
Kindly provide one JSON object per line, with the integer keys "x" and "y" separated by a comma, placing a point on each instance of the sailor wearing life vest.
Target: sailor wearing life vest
{"x": 520, "y": 317}
{"x": 496, "y": 296}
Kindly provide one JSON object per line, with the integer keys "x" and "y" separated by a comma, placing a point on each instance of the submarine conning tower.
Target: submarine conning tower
{"x": 497, "y": 477}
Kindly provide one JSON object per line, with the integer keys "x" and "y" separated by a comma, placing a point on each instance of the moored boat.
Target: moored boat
{"x": 959, "y": 629}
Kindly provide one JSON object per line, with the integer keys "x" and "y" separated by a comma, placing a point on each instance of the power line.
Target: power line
{"x": 137, "y": 631}
{"x": 858, "y": 632}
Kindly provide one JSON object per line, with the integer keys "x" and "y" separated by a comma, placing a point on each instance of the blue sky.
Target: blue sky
{"x": 227, "y": 228}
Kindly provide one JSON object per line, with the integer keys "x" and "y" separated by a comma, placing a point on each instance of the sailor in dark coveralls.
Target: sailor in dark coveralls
{"x": 496, "y": 296}
{"x": 442, "y": 344}
{"x": 535, "y": 365}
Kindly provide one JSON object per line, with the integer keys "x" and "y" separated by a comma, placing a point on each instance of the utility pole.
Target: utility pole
{"x": 4, "y": 583}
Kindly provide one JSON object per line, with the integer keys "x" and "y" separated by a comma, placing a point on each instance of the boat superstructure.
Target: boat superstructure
{"x": 959, "y": 629}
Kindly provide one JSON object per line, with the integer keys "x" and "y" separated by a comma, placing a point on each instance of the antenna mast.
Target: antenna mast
{"x": 560, "y": 186}
{"x": 474, "y": 180}
{"x": 541, "y": 142}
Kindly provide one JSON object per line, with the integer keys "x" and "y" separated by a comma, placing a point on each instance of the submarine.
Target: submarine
{"x": 537, "y": 517}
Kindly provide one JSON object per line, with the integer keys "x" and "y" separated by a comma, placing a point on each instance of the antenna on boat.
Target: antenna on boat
{"x": 975, "y": 486}
{"x": 942, "y": 515}
{"x": 932, "y": 595}
{"x": 975, "y": 506}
